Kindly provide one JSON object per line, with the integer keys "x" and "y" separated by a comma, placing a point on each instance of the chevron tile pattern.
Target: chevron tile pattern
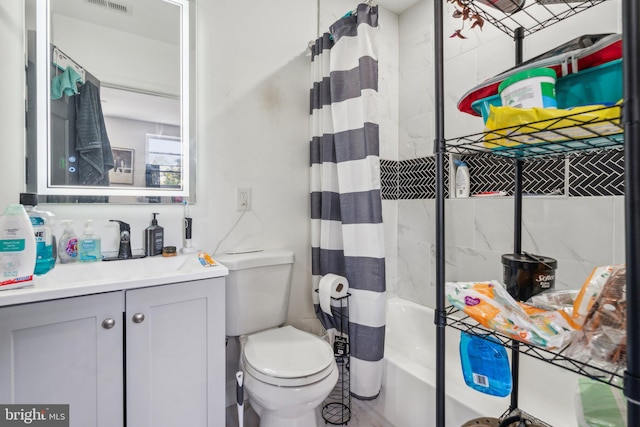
{"x": 389, "y": 179}
{"x": 597, "y": 175}
{"x": 417, "y": 178}
{"x": 488, "y": 174}
{"x": 545, "y": 176}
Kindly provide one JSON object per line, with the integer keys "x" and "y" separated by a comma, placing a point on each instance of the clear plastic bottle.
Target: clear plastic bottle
{"x": 42, "y": 222}
{"x": 68, "y": 246}
{"x": 89, "y": 245}
{"x": 17, "y": 248}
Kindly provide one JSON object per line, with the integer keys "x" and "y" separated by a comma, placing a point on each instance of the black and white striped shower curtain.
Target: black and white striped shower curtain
{"x": 346, "y": 205}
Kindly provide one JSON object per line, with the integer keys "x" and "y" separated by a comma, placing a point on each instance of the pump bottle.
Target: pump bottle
{"x": 42, "y": 221}
{"x": 89, "y": 245}
{"x": 68, "y": 246}
{"x": 153, "y": 238}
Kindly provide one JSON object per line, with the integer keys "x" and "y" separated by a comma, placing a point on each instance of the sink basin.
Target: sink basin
{"x": 169, "y": 268}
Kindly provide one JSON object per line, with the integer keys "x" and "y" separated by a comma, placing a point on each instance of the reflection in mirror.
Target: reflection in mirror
{"x": 108, "y": 100}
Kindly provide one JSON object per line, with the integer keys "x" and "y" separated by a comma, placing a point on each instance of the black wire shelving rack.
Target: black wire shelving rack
{"x": 550, "y": 138}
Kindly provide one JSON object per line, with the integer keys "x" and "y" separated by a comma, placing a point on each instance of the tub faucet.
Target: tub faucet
{"x": 124, "y": 250}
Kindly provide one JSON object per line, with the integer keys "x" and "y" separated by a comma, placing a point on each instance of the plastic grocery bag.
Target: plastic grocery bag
{"x": 491, "y": 305}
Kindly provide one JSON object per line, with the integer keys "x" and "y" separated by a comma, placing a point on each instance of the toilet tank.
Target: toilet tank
{"x": 257, "y": 289}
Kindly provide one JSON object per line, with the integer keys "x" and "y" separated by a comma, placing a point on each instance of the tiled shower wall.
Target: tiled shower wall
{"x": 600, "y": 174}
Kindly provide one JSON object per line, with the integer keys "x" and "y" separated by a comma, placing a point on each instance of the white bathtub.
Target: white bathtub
{"x": 408, "y": 397}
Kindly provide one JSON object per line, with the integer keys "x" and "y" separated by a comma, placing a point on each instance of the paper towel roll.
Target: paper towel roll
{"x": 331, "y": 286}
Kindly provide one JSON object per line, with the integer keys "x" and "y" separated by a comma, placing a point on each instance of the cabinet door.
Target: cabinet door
{"x": 66, "y": 351}
{"x": 175, "y": 355}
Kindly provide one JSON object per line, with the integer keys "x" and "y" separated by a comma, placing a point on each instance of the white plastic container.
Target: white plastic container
{"x": 530, "y": 89}
{"x": 463, "y": 180}
{"x": 17, "y": 248}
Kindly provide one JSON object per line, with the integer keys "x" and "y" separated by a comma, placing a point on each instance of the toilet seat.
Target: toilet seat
{"x": 287, "y": 357}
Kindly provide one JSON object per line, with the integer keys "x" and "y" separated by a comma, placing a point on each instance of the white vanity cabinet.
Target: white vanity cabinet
{"x": 175, "y": 358}
{"x": 140, "y": 357}
{"x": 60, "y": 352}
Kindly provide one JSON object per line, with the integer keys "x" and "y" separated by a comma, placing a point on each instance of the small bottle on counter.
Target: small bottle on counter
{"x": 42, "y": 222}
{"x": 68, "y": 246}
{"x": 89, "y": 245}
{"x": 153, "y": 238}
{"x": 18, "y": 248}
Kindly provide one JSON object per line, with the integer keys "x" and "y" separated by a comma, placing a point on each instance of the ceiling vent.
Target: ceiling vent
{"x": 111, "y": 5}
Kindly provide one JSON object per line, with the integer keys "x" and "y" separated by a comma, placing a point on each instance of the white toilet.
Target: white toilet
{"x": 287, "y": 372}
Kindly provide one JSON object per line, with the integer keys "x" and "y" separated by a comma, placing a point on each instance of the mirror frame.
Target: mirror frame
{"x": 43, "y": 54}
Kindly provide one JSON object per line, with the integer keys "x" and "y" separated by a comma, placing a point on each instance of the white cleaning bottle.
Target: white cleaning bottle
{"x": 462, "y": 179}
{"x": 17, "y": 248}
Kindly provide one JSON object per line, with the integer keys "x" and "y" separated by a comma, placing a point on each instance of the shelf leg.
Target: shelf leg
{"x": 631, "y": 117}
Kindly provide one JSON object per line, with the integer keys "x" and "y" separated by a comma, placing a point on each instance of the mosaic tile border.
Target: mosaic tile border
{"x": 585, "y": 175}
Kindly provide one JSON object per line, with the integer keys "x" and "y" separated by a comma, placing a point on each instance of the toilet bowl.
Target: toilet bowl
{"x": 287, "y": 372}
{"x": 287, "y": 375}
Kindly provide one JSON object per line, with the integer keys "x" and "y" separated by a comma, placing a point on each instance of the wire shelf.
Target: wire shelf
{"x": 581, "y": 132}
{"x": 460, "y": 321}
{"x": 534, "y": 16}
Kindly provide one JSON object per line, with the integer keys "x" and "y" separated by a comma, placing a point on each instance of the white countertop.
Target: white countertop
{"x": 70, "y": 280}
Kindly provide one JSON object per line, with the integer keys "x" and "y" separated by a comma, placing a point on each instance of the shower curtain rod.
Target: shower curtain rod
{"x": 350, "y": 13}
{"x": 355, "y": 11}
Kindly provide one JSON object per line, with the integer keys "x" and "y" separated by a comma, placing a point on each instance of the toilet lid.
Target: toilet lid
{"x": 287, "y": 356}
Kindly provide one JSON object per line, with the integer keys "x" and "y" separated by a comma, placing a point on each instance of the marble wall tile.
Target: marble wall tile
{"x": 579, "y": 228}
{"x": 459, "y": 75}
{"x": 618, "y": 230}
{"x": 466, "y": 265}
{"x": 415, "y": 136}
{"x": 493, "y": 224}
{"x": 416, "y": 220}
{"x": 416, "y": 91}
{"x": 459, "y": 222}
{"x": 414, "y": 272}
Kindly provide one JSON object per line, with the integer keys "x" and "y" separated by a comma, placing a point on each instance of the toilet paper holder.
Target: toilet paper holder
{"x": 336, "y": 408}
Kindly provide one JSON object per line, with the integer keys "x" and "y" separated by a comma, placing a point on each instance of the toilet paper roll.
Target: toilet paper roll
{"x": 331, "y": 286}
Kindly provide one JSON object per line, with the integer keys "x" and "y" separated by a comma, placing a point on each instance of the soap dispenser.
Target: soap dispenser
{"x": 153, "y": 238}
{"x": 89, "y": 245}
{"x": 124, "y": 250}
{"x": 68, "y": 246}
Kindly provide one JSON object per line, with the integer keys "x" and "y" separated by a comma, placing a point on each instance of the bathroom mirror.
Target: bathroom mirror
{"x": 110, "y": 100}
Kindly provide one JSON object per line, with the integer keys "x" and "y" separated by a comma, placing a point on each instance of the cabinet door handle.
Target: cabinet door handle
{"x": 138, "y": 318}
{"x": 108, "y": 323}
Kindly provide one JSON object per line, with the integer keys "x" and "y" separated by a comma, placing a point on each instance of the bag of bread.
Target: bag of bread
{"x": 603, "y": 337}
